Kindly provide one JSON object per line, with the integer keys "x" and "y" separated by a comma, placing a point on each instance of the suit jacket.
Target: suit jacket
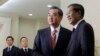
{"x": 82, "y": 41}
{"x": 13, "y": 52}
{"x": 43, "y": 46}
{"x": 21, "y": 52}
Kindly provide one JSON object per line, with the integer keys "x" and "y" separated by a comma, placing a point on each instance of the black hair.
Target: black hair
{"x": 22, "y": 38}
{"x": 60, "y": 12}
{"x": 78, "y": 8}
{"x": 10, "y": 37}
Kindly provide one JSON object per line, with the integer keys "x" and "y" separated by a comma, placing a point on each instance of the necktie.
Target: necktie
{"x": 53, "y": 37}
{"x": 9, "y": 49}
{"x": 25, "y": 50}
{"x": 73, "y": 29}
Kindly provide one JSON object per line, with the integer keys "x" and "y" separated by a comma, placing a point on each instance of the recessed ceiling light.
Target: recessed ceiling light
{"x": 49, "y": 6}
{"x": 30, "y": 14}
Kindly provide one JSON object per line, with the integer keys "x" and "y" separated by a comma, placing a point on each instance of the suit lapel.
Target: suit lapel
{"x": 22, "y": 51}
{"x": 12, "y": 48}
{"x": 78, "y": 27}
{"x": 59, "y": 38}
{"x": 48, "y": 34}
{"x": 74, "y": 35}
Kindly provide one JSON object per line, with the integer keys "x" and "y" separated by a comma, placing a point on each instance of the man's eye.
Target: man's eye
{"x": 54, "y": 14}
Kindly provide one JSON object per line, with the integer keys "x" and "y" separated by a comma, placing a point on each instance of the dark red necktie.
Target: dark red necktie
{"x": 53, "y": 37}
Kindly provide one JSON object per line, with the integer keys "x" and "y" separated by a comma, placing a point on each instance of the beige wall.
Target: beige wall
{"x": 14, "y": 25}
{"x": 15, "y": 28}
{"x": 5, "y": 23}
{"x": 23, "y": 27}
{"x": 29, "y": 27}
{"x": 92, "y": 15}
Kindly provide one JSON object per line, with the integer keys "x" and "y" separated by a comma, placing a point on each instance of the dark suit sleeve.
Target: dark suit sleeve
{"x": 3, "y": 52}
{"x": 87, "y": 41}
{"x": 30, "y": 52}
{"x": 17, "y": 52}
{"x": 37, "y": 46}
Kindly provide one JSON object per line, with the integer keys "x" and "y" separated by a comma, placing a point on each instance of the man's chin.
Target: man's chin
{"x": 50, "y": 23}
{"x": 70, "y": 22}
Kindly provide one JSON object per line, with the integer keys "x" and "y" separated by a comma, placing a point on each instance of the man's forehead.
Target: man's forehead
{"x": 53, "y": 11}
{"x": 9, "y": 38}
{"x": 70, "y": 8}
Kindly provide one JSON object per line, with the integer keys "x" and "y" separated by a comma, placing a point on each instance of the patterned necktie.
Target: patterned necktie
{"x": 53, "y": 37}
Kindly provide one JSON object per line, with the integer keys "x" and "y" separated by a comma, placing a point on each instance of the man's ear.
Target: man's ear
{"x": 79, "y": 13}
{"x": 61, "y": 17}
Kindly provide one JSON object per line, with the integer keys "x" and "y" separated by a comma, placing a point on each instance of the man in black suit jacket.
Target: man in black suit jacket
{"x": 11, "y": 50}
{"x": 44, "y": 44}
{"x": 82, "y": 39}
{"x": 24, "y": 50}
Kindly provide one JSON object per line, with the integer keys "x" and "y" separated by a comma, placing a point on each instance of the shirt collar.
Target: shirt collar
{"x": 75, "y": 26}
{"x": 52, "y": 28}
{"x": 10, "y": 46}
{"x": 24, "y": 48}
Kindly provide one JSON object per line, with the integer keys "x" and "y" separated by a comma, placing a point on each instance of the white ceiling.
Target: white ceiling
{"x": 22, "y": 8}
{"x": 3, "y": 1}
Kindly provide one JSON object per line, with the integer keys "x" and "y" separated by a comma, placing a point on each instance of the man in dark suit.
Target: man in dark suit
{"x": 82, "y": 39}
{"x": 52, "y": 41}
{"x": 11, "y": 50}
{"x": 24, "y": 50}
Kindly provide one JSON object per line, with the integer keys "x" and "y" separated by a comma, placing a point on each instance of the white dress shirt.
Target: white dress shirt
{"x": 75, "y": 26}
{"x": 25, "y": 48}
{"x": 10, "y": 48}
{"x": 57, "y": 33}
